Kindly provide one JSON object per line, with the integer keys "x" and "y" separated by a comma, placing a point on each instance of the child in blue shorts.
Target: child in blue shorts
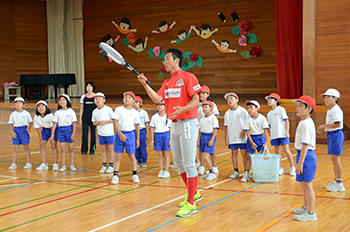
{"x": 256, "y": 127}
{"x": 305, "y": 144}
{"x": 208, "y": 127}
{"x": 66, "y": 119}
{"x": 20, "y": 124}
{"x": 335, "y": 136}
{"x": 43, "y": 124}
{"x": 160, "y": 139}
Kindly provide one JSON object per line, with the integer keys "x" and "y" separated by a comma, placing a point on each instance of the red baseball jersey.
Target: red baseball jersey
{"x": 178, "y": 91}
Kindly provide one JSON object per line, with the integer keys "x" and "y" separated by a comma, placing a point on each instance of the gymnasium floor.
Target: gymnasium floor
{"x": 86, "y": 201}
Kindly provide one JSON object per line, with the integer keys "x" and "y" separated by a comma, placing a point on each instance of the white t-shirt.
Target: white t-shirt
{"x": 305, "y": 134}
{"x": 334, "y": 114}
{"x": 127, "y": 119}
{"x": 143, "y": 118}
{"x": 208, "y": 124}
{"x": 20, "y": 119}
{"x": 234, "y": 121}
{"x": 160, "y": 123}
{"x": 45, "y": 122}
{"x": 104, "y": 114}
{"x": 257, "y": 125}
{"x": 64, "y": 117}
{"x": 214, "y": 111}
{"x": 276, "y": 119}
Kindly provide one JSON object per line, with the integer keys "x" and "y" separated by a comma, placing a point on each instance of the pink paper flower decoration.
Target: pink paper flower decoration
{"x": 242, "y": 41}
{"x": 156, "y": 50}
{"x": 245, "y": 27}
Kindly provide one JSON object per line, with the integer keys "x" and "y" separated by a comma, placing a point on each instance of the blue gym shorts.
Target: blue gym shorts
{"x": 279, "y": 141}
{"x": 335, "y": 141}
{"x": 22, "y": 136}
{"x": 105, "y": 139}
{"x": 46, "y": 133}
{"x": 129, "y": 145}
{"x": 235, "y": 146}
{"x": 204, "y": 141}
{"x": 161, "y": 141}
{"x": 64, "y": 134}
{"x": 259, "y": 140}
{"x": 309, "y": 167}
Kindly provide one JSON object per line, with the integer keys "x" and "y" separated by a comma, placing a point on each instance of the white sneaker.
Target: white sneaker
{"x": 110, "y": 169}
{"x": 13, "y": 166}
{"x": 103, "y": 169}
{"x": 27, "y": 166}
{"x": 215, "y": 170}
{"x": 55, "y": 167}
{"x": 198, "y": 164}
{"x": 144, "y": 165}
{"x": 299, "y": 210}
{"x": 306, "y": 217}
{"x": 174, "y": 165}
{"x": 211, "y": 176}
{"x": 281, "y": 172}
{"x": 138, "y": 165}
{"x": 201, "y": 170}
{"x": 329, "y": 185}
{"x": 72, "y": 168}
{"x": 42, "y": 166}
{"x": 292, "y": 171}
{"x": 246, "y": 177}
{"x": 63, "y": 168}
{"x": 206, "y": 174}
{"x": 166, "y": 174}
{"x": 234, "y": 175}
{"x": 135, "y": 179}
{"x": 336, "y": 188}
{"x": 160, "y": 174}
{"x": 115, "y": 179}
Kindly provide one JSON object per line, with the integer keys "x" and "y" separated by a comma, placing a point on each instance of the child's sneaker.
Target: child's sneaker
{"x": 335, "y": 187}
{"x": 197, "y": 198}
{"x": 110, "y": 169}
{"x": 281, "y": 172}
{"x": 211, "y": 176}
{"x": 42, "y": 166}
{"x": 135, "y": 179}
{"x": 72, "y": 168}
{"x": 138, "y": 165}
{"x": 306, "y": 217}
{"x": 144, "y": 165}
{"x": 292, "y": 171}
{"x": 174, "y": 165}
{"x": 166, "y": 174}
{"x": 299, "y": 210}
{"x": 115, "y": 179}
{"x": 160, "y": 174}
{"x": 63, "y": 168}
{"x": 328, "y": 185}
{"x": 215, "y": 170}
{"x": 187, "y": 210}
{"x": 103, "y": 169}
{"x": 27, "y": 166}
{"x": 198, "y": 164}
{"x": 13, "y": 166}
{"x": 234, "y": 175}
{"x": 246, "y": 177}
{"x": 201, "y": 170}
{"x": 55, "y": 167}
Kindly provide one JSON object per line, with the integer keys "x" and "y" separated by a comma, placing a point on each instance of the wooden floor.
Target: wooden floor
{"x": 86, "y": 201}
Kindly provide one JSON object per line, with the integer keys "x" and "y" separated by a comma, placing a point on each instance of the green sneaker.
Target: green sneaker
{"x": 187, "y": 210}
{"x": 197, "y": 198}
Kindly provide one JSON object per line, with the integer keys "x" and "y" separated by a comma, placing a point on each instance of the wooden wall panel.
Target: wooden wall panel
{"x": 222, "y": 72}
{"x": 333, "y": 51}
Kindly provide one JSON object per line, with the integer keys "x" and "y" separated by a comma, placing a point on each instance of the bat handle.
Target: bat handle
{"x": 138, "y": 74}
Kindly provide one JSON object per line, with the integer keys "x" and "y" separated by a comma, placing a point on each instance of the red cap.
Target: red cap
{"x": 138, "y": 98}
{"x": 306, "y": 99}
{"x": 231, "y": 94}
{"x": 205, "y": 88}
{"x": 208, "y": 103}
{"x": 274, "y": 95}
{"x": 130, "y": 93}
{"x": 162, "y": 102}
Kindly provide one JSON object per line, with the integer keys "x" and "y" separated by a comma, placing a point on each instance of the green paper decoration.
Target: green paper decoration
{"x": 125, "y": 41}
{"x": 199, "y": 61}
{"x": 235, "y": 30}
{"x": 245, "y": 54}
{"x": 151, "y": 54}
{"x": 161, "y": 75}
{"x": 251, "y": 38}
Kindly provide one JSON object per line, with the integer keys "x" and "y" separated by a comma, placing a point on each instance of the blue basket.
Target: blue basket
{"x": 266, "y": 167}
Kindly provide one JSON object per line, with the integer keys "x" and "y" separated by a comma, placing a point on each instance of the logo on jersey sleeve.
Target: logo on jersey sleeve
{"x": 195, "y": 88}
{"x": 172, "y": 93}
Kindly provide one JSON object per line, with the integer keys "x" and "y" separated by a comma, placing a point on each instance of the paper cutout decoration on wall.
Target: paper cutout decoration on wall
{"x": 244, "y": 29}
{"x": 124, "y": 26}
{"x": 129, "y": 38}
{"x": 254, "y": 52}
{"x": 156, "y": 52}
{"x": 140, "y": 45}
{"x": 191, "y": 60}
{"x": 182, "y": 36}
{"x": 234, "y": 16}
{"x": 164, "y": 27}
{"x": 162, "y": 71}
{"x": 108, "y": 40}
{"x": 224, "y": 46}
{"x": 222, "y": 17}
{"x": 204, "y": 31}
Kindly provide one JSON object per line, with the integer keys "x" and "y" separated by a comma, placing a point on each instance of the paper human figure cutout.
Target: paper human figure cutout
{"x": 140, "y": 45}
{"x": 164, "y": 27}
{"x": 182, "y": 36}
{"x": 124, "y": 26}
{"x": 108, "y": 40}
{"x": 204, "y": 31}
{"x": 224, "y": 46}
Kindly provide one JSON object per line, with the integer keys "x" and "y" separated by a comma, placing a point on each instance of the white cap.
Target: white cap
{"x": 331, "y": 92}
{"x": 64, "y": 95}
{"x": 99, "y": 94}
{"x": 256, "y": 103}
{"x": 19, "y": 99}
{"x": 41, "y": 102}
